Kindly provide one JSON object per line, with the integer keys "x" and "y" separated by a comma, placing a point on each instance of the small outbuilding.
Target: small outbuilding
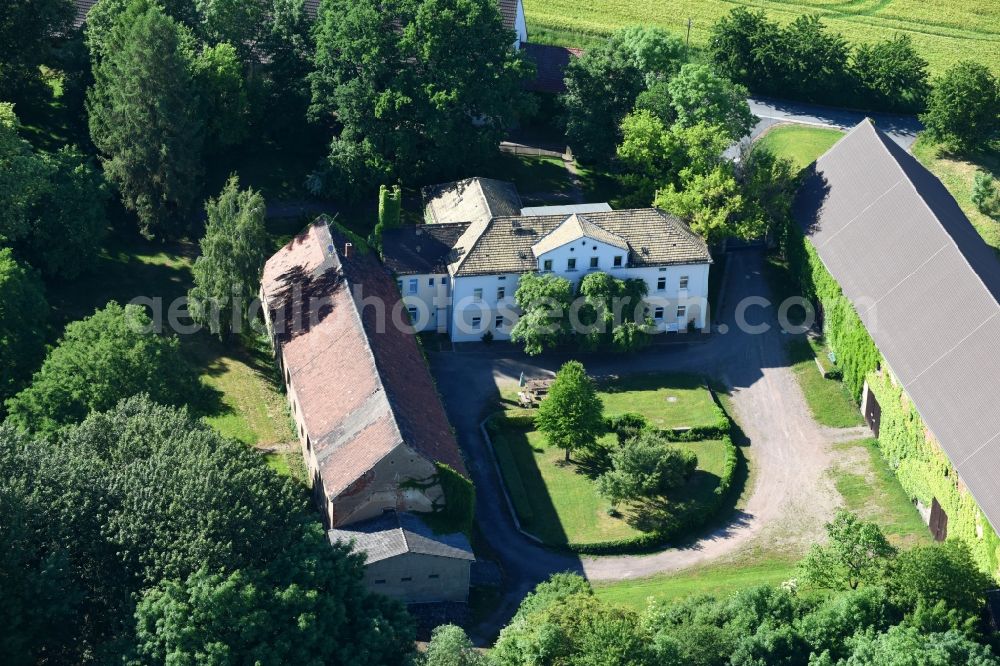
{"x": 406, "y": 560}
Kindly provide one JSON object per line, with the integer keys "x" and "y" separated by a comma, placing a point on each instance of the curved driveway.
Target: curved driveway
{"x": 791, "y": 498}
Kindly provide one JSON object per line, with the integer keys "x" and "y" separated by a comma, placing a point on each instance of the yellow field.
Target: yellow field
{"x": 944, "y": 31}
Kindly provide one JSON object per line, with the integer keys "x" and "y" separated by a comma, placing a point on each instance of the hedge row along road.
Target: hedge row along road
{"x": 943, "y": 31}
{"x": 792, "y": 496}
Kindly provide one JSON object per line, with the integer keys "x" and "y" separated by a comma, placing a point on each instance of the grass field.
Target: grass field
{"x": 957, "y": 175}
{"x": 559, "y": 503}
{"x": 801, "y": 144}
{"x": 943, "y": 31}
{"x": 828, "y": 400}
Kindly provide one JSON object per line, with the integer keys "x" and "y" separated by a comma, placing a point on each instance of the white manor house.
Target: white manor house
{"x": 458, "y": 273}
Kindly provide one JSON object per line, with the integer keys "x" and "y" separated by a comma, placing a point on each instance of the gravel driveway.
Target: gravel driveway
{"x": 789, "y": 453}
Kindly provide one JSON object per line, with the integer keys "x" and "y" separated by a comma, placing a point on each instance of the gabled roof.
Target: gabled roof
{"x": 574, "y": 228}
{"x": 926, "y": 287}
{"x": 362, "y": 385}
{"x": 393, "y": 534}
{"x": 470, "y": 200}
{"x": 505, "y": 244}
{"x": 420, "y": 249}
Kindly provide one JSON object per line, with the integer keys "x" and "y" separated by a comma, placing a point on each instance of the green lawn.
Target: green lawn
{"x": 957, "y": 174}
{"x": 667, "y": 401}
{"x": 801, "y": 144}
{"x": 828, "y": 400}
{"x": 871, "y": 490}
{"x": 944, "y": 32}
{"x": 718, "y": 579}
{"x": 558, "y": 502}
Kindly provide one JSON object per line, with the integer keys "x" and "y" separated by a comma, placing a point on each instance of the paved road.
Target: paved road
{"x": 789, "y": 453}
{"x": 770, "y": 112}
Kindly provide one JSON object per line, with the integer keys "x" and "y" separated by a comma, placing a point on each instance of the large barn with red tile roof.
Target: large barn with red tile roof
{"x": 372, "y": 430}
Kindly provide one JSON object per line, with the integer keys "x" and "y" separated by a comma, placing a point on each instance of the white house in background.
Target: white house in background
{"x": 459, "y": 276}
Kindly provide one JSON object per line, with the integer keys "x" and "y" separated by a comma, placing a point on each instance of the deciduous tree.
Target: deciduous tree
{"x": 233, "y": 250}
{"x": 711, "y": 203}
{"x": 857, "y": 553}
{"x": 700, "y": 95}
{"x": 891, "y": 74}
{"x": 570, "y": 416}
{"x": 544, "y": 300}
{"x": 109, "y": 356}
{"x": 23, "y": 314}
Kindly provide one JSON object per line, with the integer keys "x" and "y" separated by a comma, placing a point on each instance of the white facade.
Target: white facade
{"x": 466, "y": 307}
{"x": 520, "y": 26}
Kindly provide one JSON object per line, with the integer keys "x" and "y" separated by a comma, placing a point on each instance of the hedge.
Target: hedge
{"x": 925, "y": 472}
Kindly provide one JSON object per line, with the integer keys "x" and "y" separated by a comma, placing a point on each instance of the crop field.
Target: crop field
{"x": 944, "y": 31}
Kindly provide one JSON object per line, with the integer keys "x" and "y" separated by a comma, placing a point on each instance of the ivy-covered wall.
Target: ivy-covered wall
{"x": 855, "y": 350}
{"x": 925, "y": 472}
{"x": 922, "y": 468}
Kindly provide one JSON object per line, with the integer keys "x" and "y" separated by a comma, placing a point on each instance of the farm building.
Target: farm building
{"x": 927, "y": 289}
{"x": 373, "y": 432}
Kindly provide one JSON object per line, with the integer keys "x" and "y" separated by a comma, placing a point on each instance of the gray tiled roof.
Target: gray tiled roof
{"x": 508, "y": 11}
{"x": 393, "y": 534}
{"x": 574, "y": 228}
{"x": 654, "y": 238}
{"x": 471, "y": 200}
{"x": 926, "y": 287}
{"x": 420, "y": 249}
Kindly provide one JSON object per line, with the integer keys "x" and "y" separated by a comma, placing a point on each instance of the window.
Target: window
{"x": 499, "y": 321}
{"x": 380, "y": 581}
{"x": 399, "y": 286}
{"x": 547, "y": 265}
{"x": 433, "y": 576}
{"x": 684, "y": 282}
{"x": 413, "y": 286}
{"x": 571, "y": 264}
{"x": 501, "y": 292}
{"x": 618, "y": 260}
{"x": 658, "y": 314}
{"x": 430, "y": 282}
{"x": 444, "y": 280}
{"x": 413, "y": 314}
{"x": 593, "y": 262}
{"x": 661, "y": 283}
{"x": 477, "y": 294}
{"x": 476, "y": 323}
{"x": 681, "y": 312}
{"x": 405, "y": 579}
{"x": 502, "y": 278}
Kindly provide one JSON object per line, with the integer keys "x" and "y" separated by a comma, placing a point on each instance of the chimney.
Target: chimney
{"x": 348, "y": 250}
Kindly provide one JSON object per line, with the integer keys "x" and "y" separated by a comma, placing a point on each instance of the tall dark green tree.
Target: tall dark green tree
{"x": 109, "y": 356}
{"x": 233, "y": 250}
{"x": 52, "y": 205}
{"x": 891, "y": 74}
{"x": 28, "y": 31}
{"x": 963, "y": 109}
{"x": 143, "y": 121}
{"x": 172, "y": 544}
{"x": 23, "y": 315}
{"x": 416, "y": 89}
